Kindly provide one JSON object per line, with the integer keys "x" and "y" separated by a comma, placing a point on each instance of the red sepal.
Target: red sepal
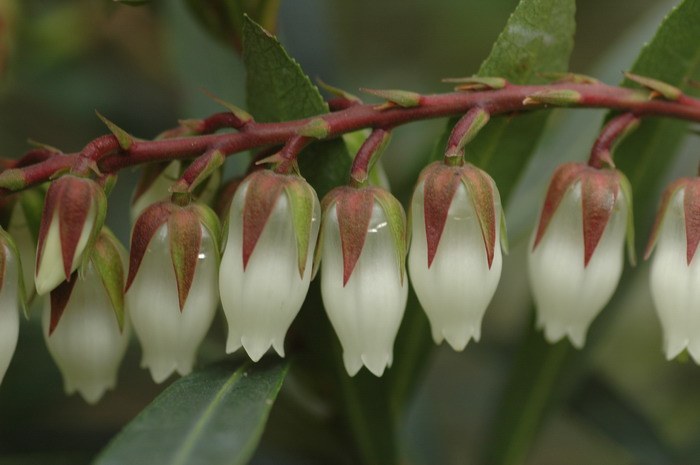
{"x": 440, "y": 185}
{"x": 146, "y": 226}
{"x": 480, "y": 188}
{"x": 691, "y": 210}
{"x": 562, "y": 179}
{"x": 354, "y": 211}
{"x": 185, "y": 233}
{"x": 599, "y": 190}
{"x": 59, "y": 299}
{"x": 264, "y": 188}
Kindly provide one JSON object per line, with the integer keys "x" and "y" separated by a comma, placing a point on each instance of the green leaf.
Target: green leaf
{"x": 278, "y": 90}
{"x": 212, "y": 417}
{"x": 537, "y": 38}
{"x": 543, "y": 375}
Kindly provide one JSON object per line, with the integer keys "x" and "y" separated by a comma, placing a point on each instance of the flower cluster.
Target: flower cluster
{"x": 277, "y": 236}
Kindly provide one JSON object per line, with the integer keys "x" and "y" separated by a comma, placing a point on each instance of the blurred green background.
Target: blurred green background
{"x": 144, "y": 68}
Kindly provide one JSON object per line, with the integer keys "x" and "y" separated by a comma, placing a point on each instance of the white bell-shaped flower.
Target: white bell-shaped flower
{"x": 261, "y": 297}
{"x": 569, "y": 293}
{"x": 87, "y": 343}
{"x": 366, "y": 311}
{"x": 169, "y": 335}
{"x": 9, "y": 309}
{"x": 675, "y": 269}
{"x": 455, "y": 289}
{"x": 73, "y": 214}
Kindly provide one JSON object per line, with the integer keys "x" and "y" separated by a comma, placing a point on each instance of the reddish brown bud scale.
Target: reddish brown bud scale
{"x": 146, "y": 226}
{"x": 665, "y": 199}
{"x": 598, "y": 196}
{"x": 691, "y": 209}
{"x": 481, "y": 190}
{"x": 264, "y": 188}
{"x": 562, "y": 179}
{"x": 59, "y": 300}
{"x": 185, "y": 232}
{"x": 441, "y": 183}
{"x": 354, "y": 210}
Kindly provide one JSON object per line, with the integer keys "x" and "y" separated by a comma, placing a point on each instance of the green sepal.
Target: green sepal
{"x": 302, "y": 199}
{"x": 559, "y": 97}
{"x": 107, "y": 258}
{"x": 667, "y": 91}
{"x": 100, "y": 200}
{"x": 239, "y": 113}
{"x": 396, "y": 219}
{"x": 572, "y": 78}
{"x": 41, "y": 145}
{"x": 482, "y": 193}
{"x": 402, "y": 98}
{"x": 337, "y": 92}
{"x": 13, "y": 179}
{"x": 476, "y": 83}
{"x": 626, "y": 189}
{"x": 6, "y": 240}
{"x": 209, "y": 219}
{"x": 317, "y": 128}
{"x": 124, "y": 138}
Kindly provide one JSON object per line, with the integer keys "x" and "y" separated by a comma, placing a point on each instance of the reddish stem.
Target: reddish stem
{"x": 289, "y": 153}
{"x": 613, "y": 132}
{"x": 366, "y": 156}
{"x": 507, "y": 100}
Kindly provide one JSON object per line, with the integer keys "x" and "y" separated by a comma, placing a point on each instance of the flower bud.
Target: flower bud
{"x": 455, "y": 260}
{"x": 171, "y": 289}
{"x": 11, "y": 289}
{"x": 266, "y": 267}
{"x": 84, "y": 323}
{"x": 675, "y": 272}
{"x": 73, "y": 214}
{"x": 362, "y": 248}
{"x": 576, "y": 257}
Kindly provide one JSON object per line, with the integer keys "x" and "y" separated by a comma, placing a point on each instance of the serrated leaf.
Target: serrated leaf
{"x": 670, "y": 57}
{"x": 278, "y": 90}
{"x": 213, "y": 416}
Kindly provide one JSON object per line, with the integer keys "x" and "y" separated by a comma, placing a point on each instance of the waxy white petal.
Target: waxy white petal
{"x": 458, "y": 286}
{"x": 87, "y": 345}
{"x": 170, "y": 338}
{"x": 9, "y": 311}
{"x": 675, "y": 285}
{"x": 261, "y": 302}
{"x": 367, "y": 312}
{"x": 50, "y": 272}
{"x": 568, "y": 296}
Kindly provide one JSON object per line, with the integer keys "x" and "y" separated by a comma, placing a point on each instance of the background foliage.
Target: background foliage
{"x": 618, "y": 401}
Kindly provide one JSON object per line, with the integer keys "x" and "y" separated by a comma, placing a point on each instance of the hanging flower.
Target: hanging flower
{"x": 576, "y": 257}
{"x": 11, "y": 298}
{"x": 455, "y": 260}
{"x": 171, "y": 288}
{"x": 73, "y": 214}
{"x": 675, "y": 272}
{"x": 362, "y": 247}
{"x": 84, "y": 323}
{"x": 266, "y": 267}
